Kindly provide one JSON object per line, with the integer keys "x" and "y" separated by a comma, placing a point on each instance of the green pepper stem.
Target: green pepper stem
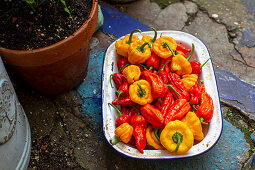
{"x": 159, "y": 99}
{"x": 138, "y": 113}
{"x": 192, "y": 51}
{"x": 202, "y": 121}
{"x": 162, "y": 68}
{"x": 177, "y": 138}
{"x": 120, "y": 114}
{"x": 130, "y": 37}
{"x": 202, "y": 81}
{"x": 165, "y": 44}
{"x": 201, "y": 66}
{"x": 151, "y": 68}
{"x": 111, "y": 80}
{"x": 119, "y": 93}
{"x": 122, "y": 67}
{"x": 176, "y": 52}
{"x": 168, "y": 85}
{"x": 117, "y": 140}
{"x": 141, "y": 48}
{"x": 141, "y": 91}
{"x": 155, "y": 35}
{"x": 193, "y": 106}
{"x": 144, "y": 67}
{"x": 156, "y": 134}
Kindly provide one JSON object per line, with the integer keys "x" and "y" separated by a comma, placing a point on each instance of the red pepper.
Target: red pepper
{"x": 122, "y": 63}
{"x": 177, "y": 111}
{"x": 167, "y": 103}
{"x": 123, "y": 118}
{"x": 177, "y": 87}
{"x": 139, "y": 124}
{"x": 125, "y": 110}
{"x": 123, "y": 90}
{"x": 123, "y": 101}
{"x": 158, "y": 88}
{"x": 182, "y": 53}
{"x": 118, "y": 79}
{"x": 202, "y": 88}
{"x": 197, "y": 67}
{"x": 165, "y": 64}
{"x": 153, "y": 61}
{"x": 195, "y": 94}
{"x": 152, "y": 115}
{"x": 205, "y": 110}
{"x": 183, "y": 49}
{"x": 163, "y": 76}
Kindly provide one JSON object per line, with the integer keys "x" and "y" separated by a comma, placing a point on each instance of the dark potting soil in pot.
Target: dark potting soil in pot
{"x": 25, "y": 28}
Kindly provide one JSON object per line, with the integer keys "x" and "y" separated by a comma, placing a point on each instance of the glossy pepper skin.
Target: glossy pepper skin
{"x": 121, "y": 63}
{"x": 131, "y": 73}
{"x": 118, "y": 79}
{"x": 152, "y": 115}
{"x": 158, "y": 88}
{"x": 165, "y": 64}
{"x": 139, "y": 124}
{"x": 152, "y": 140}
{"x": 123, "y": 101}
{"x": 181, "y": 65}
{"x": 123, "y": 118}
{"x": 140, "y": 92}
{"x": 167, "y": 103}
{"x": 193, "y": 122}
{"x": 149, "y": 39}
{"x": 153, "y": 61}
{"x": 175, "y": 81}
{"x": 205, "y": 110}
{"x": 122, "y": 45}
{"x": 195, "y": 65}
{"x": 124, "y": 132}
{"x": 176, "y": 137}
{"x": 195, "y": 94}
{"x": 183, "y": 49}
{"x": 177, "y": 111}
{"x": 161, "y": 50}
{"x": 189, "y": 80}
{"x": 123, "y": 90}
{"x": 139, "y": 52}
{"x": 163, "y": 76}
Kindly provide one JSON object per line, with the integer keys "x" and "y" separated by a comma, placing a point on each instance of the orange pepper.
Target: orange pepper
{"x": 162, "y": 50}
{"x": 138, "y": 52}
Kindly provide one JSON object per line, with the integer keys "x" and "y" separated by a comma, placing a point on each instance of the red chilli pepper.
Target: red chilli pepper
{"x": 121, "y": 63}
{"x": 205, "y": 110}
{"x": 197, "y": 67}
{"x": 177, "y": 111}
{"x": 153, "y": 61}
{"x": 123, "y": 101}
{"x": 118, "y": 79}
{"x": 177, "y": 87}
{"x": 158, "y": 88}
{"x": 167, "y": 103}
{"x": 163, "y": 76}
{"x": 195, "y": 94}
{"x": 123, "y": 118}
{"x": 123, "y": 90}
{"x": 183, "y": 49}
{"x": 165, "y": 64}
{"x": 152, "y": 115}
{"x": 139, "y": 124}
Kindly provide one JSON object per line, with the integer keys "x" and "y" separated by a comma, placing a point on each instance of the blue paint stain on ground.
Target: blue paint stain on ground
{"x": 250, "y": 6}
{"x": 235, "y": 91}
{"x": 248, "y": 37}
{"x": 224, "y": 155}
{"x": 119, "y": 24}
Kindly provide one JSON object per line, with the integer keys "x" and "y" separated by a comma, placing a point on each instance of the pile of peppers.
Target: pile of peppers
{"x": 159, "y": 101}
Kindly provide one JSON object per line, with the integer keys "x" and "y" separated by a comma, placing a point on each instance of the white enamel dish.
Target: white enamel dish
{"x": 212, "y": 132}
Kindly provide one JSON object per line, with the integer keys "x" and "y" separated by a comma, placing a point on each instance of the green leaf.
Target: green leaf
{"x": 63, "y": 2}
{"x": 31, "y": 2}
{"x": 67, "y": 10}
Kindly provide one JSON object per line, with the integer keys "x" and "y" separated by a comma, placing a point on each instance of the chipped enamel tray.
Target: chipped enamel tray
{"x": 212, "y": 132}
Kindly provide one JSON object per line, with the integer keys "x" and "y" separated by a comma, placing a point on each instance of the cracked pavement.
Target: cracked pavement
{"x": 66, "y": 132}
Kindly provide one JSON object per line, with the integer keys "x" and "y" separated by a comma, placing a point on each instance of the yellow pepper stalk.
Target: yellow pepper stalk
{"x": 147, "y": 38}
{"x": 140, "y": 92}
{"x": 139, "y": 52}
{"x": 194, "y": 124}
{"x": 161, "y": 50}
{"x": 152, "y": 140}
{"x": 177, "y": 137}
{"x": 131, "y": 73}
{"x": 124, "y": 133}
{"x": 189, "y": 80}
{"x": 122, "y": 45}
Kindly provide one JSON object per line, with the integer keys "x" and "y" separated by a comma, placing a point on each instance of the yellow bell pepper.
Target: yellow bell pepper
{"x": 152, "y": 140}
{"x": 124, "y": 132}
{"x": 140, "y": 92}
{"x": 139, "y": 52}
{"x": 131, "y": 73}
{"x": 162, "y": 50}
{"x": 194, "y": 124}
{"x": 122, "y": 45}
{"x": 147, "y": 38}
{"x": 177, "y": 137}
{"x": 181, "y": 65}
{"x": 189, "y": 80}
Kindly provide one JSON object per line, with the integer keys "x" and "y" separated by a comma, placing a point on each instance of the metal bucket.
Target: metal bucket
{"x": 15, "y": 135}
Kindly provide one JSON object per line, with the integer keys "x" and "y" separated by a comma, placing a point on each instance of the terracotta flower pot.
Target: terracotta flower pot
{"x": 59, "y": 67}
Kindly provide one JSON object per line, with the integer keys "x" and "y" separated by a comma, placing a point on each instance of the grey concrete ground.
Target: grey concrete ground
{"x": 63, "y": 138}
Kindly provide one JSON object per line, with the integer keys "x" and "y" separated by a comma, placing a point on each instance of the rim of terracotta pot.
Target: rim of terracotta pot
{"x": 15, "y": 57}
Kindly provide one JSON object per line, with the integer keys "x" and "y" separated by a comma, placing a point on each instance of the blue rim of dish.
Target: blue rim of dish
{"x": 161, "y": 158}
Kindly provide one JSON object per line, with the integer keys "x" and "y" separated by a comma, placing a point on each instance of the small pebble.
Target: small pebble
{"x": 236, "y": 23}
{"x": 82, "y": 126}
{"x": 17, "y": 25}
{"x": 215, "y": 15}
{"x": 50, "y": 38}
{"x": 42, "y": 34}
